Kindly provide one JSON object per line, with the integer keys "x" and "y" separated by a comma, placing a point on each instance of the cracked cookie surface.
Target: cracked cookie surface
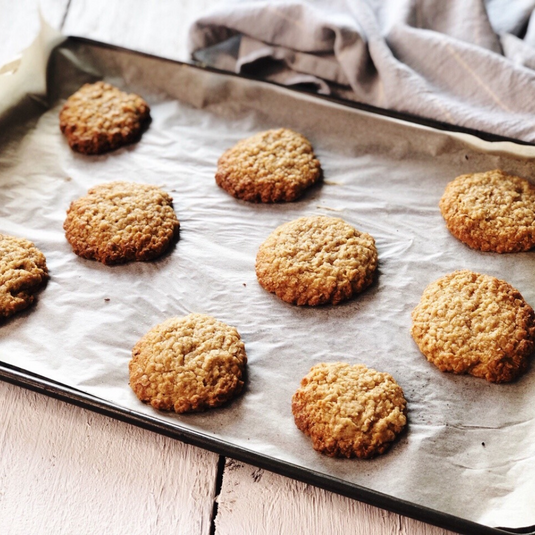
{"x": 99, "y": 118}
{"x": 349, "y": 410}
{"x": 271, "y": 166}
{"x": 491, "y": 211}
{"x": 316, "y": 260}
{"x": 470, "y": 323}
{"x": 23, "y": 271}
{"x": 121, "y": 222}
{"x": 188, "y": 364}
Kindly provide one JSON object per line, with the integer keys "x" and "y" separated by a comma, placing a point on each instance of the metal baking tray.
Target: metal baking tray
{"x": 383, "y": 172}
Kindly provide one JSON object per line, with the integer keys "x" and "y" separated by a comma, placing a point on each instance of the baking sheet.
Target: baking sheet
{"x": 469, "y": 447}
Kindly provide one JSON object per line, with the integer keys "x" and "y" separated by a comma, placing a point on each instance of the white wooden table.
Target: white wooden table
{"x": 67, "y": 470}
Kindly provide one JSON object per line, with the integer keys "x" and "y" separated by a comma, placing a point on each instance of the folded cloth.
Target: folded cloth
{"x": 469, "y": 63}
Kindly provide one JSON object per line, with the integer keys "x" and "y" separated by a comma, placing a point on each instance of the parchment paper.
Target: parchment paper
{"x": 470, "y": 446}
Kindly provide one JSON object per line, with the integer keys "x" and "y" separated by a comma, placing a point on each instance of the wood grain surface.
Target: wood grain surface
{"x": 66, "y": 470}
{"x": 158, "y": 27}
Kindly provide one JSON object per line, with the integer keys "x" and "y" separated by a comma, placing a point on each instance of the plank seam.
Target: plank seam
{"x": 65, "y": 15}
{"x": 217, "y": 491}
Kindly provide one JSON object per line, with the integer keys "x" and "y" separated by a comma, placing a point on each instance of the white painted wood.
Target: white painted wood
{"x": 66, "y": 470}
{"x": 53, "y": 11}
{"x": 19, "y": 23}
{"x": 261, "y": 502}
{"x": 158, "y": 27}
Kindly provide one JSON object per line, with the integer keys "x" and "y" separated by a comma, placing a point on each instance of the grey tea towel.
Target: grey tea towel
{"x": 469, "y": 63}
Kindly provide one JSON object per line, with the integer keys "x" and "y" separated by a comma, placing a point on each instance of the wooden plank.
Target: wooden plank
{"x": 261, "y": 502}
{"x": 20, "y": 23}
{"x": 158, "y": 27}
{"x": 68, "y": 470}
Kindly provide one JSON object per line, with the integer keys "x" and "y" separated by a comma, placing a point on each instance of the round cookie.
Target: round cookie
{"x": 272, "y": 166}
{"x": 316, "y": 260}
{"x": 471, "y": 323}
{"x": 121, "y": 222}
{"x": 22, "y": 272}
{"x": 100, "y": 118}
{"x": 188, "y": 364}
{"x": 491, "y": 211}
{"x": 349, "y": 410}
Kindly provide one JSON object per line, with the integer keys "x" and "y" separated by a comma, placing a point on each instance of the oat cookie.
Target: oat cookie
{"x": 471, "y": 323}
{"x": 188, "y": 364}
{"x": 22, "y": 272}
{"x": 272, "y": 166}
{"x": 121, "y": 222}
{"x": 349, "y": 410}
{"x": 100, "y": 118}
{"x": 491, "y": 211}
{"x": 316, "y": 260}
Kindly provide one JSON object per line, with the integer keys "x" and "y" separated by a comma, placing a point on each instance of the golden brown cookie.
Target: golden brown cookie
{"x": 491, "y": 211}
{"x": 349, "y": 411}
{"x": 188, "y": 364}
{"x": 22, "y": 272}
{"x": 100, "y": 118}
{"x": 476, "y": 324}
{"x": 272, "y": 166}
{"x": 121, "y": 222}
{"x": 316, "y": 260}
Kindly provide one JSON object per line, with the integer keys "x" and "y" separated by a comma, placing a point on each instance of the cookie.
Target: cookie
{"x": 100, "y": 118}
{"x": 121, "y": 222}
{"x": 491, "y": 211}
{"x": 22, "y": 272}
{"x": 469, "y": 323}
{"x": 316, "y": 260}
{"x": 349, "y": 410}
{"x": 272, "y": 166}
{"x": 188, "y": 364}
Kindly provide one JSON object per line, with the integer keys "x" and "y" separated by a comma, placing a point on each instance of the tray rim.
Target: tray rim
{"x": 43, "y": 385}
{"x": 375, "y": 110}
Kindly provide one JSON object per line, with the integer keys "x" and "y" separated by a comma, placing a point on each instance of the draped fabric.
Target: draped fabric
{"x": 469, "y": 63}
